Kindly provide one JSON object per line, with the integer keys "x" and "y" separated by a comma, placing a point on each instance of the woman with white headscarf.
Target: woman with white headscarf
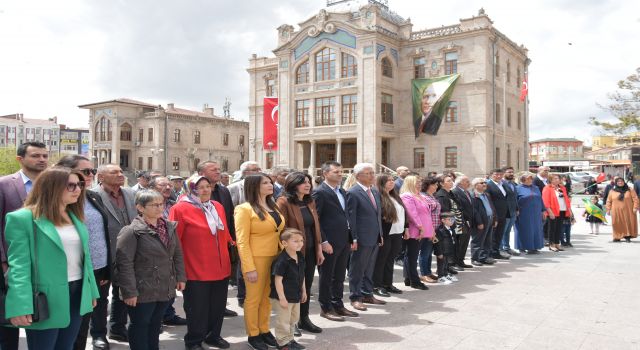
{"x": 203, "y": 232}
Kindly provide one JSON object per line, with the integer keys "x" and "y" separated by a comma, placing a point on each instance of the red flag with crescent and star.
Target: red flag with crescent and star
{"x": 524, "y": 91}
{"x": 270, "y": 123}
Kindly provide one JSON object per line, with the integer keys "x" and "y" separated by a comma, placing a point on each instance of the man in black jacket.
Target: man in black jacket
{"x": 499, "y": 194}
{"x": 512, "y": 200}
{"x": 465, "y": 204}
{"x": 484, "y": 223}
{"x": 331, "y": 204}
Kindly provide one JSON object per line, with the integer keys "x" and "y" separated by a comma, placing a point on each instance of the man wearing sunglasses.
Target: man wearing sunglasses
{"x": 33, "y": 158}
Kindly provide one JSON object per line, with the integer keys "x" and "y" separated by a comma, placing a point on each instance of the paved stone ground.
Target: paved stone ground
{"x": 583, "y": 298}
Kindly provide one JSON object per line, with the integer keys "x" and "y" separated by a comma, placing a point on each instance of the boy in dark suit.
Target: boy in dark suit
{"x": 443, "y": 247}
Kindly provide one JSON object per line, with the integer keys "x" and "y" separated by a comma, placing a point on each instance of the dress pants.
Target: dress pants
{"x": 361, "y": 267}
{"x": 97, "y": 319}
{"x": 118, "y": 314}
{"x": 426, "y": 256}
{"x": 461, "y": 244}
{"x": 410, "y": 263}
{"x": 383, "y": 272}
{"x": 309, "y": 272}
{"x": 9, "y": 338}
{"x": 481, "y": 243}
{"x": 555, "y": 228}
{"x": 60, "y": 338}
{"x": 332, "y": 274}
{"x": 285, "y": 320}
{"x": 257, "y": 306}
{"x": 242, "y": 289}
{"x": 204, "y": 305}
{"x": 506, "y": 235}
{"x": 496, "y": 237}
{"x": 144, "y": 328}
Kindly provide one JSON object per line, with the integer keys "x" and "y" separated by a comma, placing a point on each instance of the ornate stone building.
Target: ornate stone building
{"x": 171, "y": 140}
{"x": 343, "y": 80}
{"x": 15, "y": 129}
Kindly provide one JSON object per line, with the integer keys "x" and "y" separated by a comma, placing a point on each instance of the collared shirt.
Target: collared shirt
{"x": 292, "y": 273}
{"x": 499, "y": 184}
{"x": 542, "y": 179}
{"x": 28, "y": 184}
{"x": 116, "y": 197}
{"x": 341, "y": 199}
{"x": 161, "y": 229}
{"x": 167, "y": 208}
{"x": 487, "y": 205}
{"x": 435, "y": 207}
{"x": 365, "y": 188}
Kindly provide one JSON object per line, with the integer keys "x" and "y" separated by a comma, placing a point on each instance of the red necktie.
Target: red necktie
{"x": 373, "y": 200}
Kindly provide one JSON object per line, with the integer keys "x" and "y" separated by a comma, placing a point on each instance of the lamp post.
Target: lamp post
{"x": 270, "y": 147}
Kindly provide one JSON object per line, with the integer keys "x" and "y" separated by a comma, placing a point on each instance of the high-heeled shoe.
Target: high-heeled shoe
{"x": 553, "y": 248}
{"x": 559, "y": 248}
{"x": 407, "y": 282}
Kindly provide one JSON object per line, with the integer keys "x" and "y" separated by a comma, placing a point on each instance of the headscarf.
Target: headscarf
{"x": 620, "y": 189}
{"x": 190, "y": 195}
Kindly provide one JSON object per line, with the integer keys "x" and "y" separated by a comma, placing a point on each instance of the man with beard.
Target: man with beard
{"x": 512, "y": 201}
{"x": 33, "y": 158}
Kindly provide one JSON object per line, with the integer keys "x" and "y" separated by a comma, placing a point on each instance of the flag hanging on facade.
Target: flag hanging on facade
{"x": 430, "y": 102}
{"x": 270, "y": 123}
{"x": 524, "y": 91}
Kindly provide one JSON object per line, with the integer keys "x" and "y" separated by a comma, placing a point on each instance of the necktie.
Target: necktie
{"x": 373, "y": 200}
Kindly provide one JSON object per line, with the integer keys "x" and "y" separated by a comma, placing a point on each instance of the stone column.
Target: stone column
{"x": 312, "y": 158}
{"x": 339, "y": 150}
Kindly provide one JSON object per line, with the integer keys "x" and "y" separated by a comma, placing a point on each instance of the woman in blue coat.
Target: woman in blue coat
{"x": 529, "y": 235}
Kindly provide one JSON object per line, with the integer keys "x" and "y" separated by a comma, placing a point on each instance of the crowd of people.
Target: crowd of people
{"x": 77, "y": 234}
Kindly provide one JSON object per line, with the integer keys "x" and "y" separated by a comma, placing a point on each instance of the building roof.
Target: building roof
{"x": 19, "y": 118}
{"x": 120, "y": 100}
{"x": 559, "y": 139}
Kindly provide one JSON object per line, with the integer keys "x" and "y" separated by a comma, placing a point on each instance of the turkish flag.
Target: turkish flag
{"x": 270, "y": 123}
{"x": 525, "y": 89}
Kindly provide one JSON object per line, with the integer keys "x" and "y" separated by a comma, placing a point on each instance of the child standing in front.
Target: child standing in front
{"x": 288, "y": 288}
{"x": 594, "y": 221}
{"x": 443, "y": 247}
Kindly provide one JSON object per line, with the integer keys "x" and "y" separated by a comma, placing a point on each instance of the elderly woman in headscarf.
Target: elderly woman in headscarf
{"x": 622, "y": 204}
{"x": 204, "y": 234}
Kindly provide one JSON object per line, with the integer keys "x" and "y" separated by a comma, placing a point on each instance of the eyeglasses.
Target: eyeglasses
{"x": 88, "y": 171}
{"x": 72, "y": 186}
{"x": 155, "y": 205}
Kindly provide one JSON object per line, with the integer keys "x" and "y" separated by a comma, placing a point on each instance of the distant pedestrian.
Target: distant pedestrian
{"x": 622, "y": 204}
{"x": 594, "y": 221}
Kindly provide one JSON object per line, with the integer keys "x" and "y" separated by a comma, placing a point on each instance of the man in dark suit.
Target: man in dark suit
{"x": 331, "y": 205}
{"x": 499, "y": 194}
{"x": 365, "y": 221}
{"x": 465, "y": 204}
{"x": 279, "y": 174}
{"x": 484, "y": 223}
{"x": 119, "y": 203}
{"x": 512, "y": 201}
{"x": 33, "y": 158}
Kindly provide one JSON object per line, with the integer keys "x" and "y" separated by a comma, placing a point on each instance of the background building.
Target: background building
{"x": 343, "y": 80}
{"x": 74, "y": 141}
{"x": 16, "y": 129}
{"x": 555, "y": 149}
{"x": 607, "y": 141}
{"x": 141, "y": 136}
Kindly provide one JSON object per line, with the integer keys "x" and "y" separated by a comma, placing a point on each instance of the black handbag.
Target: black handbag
{"x": 40, "y": 303}
{"x": 234, "y": 257}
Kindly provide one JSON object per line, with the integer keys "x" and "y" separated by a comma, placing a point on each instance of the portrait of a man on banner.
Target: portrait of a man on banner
{"x": 430, "y": 102}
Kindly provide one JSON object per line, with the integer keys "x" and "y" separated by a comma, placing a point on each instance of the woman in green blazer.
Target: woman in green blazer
{"x": 54, "y": 208}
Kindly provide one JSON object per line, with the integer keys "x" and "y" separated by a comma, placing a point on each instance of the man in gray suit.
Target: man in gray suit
{"x": 237, "y": 188}
{"x": 363, "y": 203}
{"x": 119, "y": 202}
{"x": 33, "y": 158}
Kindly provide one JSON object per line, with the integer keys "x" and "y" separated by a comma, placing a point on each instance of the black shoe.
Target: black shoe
{"x": 306, "y": 324}
{"x": 419, "y": 285}
{"x": 456, "y": 267}
{"x": 381, "y": 292}
{"x": 616, "y": 240}
{"x": 452, "y": 271}
{"x": 218, "y": 343}
{"x": 393, "y": 289}
{"x": 407, "y": 282}
{"x": 569, "y": 245}
{"x": 466, "y": 266}
{"x": 100, "y": 343}
{"x": 269, "y": 339}
{"x": 194, "y": 347}
{"x": 241, "y": 303}
{"x": 296, "y": 331}
{"x": 476, "y": 263}
{"x": 489, "y": 261}
{"x": 121, "y": 337}
{"x": 294, "y": 345}
{"x": 175, "y": 321}
{"x": 230, "y": 313}
{"x": 628, "y": 239}
{"x": 257, "y": 343}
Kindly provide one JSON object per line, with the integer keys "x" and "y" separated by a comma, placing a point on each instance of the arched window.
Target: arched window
{"x": 349, "y": 66}
{"x": 109, "y": 134}
{"x": 176, "y": 135}
{"x": 302, "y": 73}
{"x": 387, "y": 70}
{"x": 96, "y": 132}
{"x": 125, "y": 132}
{"x": 326, "y": 64}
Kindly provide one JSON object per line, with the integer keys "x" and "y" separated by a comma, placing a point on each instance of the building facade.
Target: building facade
{"x": 608, "y": 141}
{"x": 141, "y": 136}
{"x": 551, "y": 149}
{"x": 15, "y": 129}
{"x": 343, "y": 81}
{"x": 74, "y": 141}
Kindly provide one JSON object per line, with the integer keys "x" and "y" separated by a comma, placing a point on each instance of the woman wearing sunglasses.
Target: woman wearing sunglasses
{"x": 96, "y": 219}
{"x": 58, "y": 255}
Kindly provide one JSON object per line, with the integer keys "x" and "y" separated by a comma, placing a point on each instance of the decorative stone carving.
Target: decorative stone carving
{"x": 322, "y": 25}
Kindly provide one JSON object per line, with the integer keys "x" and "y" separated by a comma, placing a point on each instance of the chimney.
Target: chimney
{"x": 208, "y": 111}
{"x": 21, "y": 117}
{"x": 169, "y": 105}
{"x": 55, "y": 119}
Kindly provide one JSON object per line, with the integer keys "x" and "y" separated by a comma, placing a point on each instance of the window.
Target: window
{"x": 150, "y": 135}
{"x": 451, "y": 157}
{"x": 518, "y": 77}
{"x": 140, "y": 163}
{"x": 349, "y": 110}
{"x": 125, "y": 132}
{"x": 519, "y": 121}
{"x": 196, "y": 137}
{"x": 497, "y": 113}
{"x": 196, "y": 161}
{"x": 497, "y": 165}
{"x": 387, "y": 109}
{"x": 140, "y": 135}
{"x": 326, "y": 64}
{"x": 452, "y": 113}
{"x": 225, "y": 164}
{"x": 103, "y": 130}
{"x": 497, "y": 64}
{"x": 508, "y": 71}
{"x": 225, "y": 139}
{"x": 450, "y": 63}
{"x": 149, "y": 163}
{"x": 387, "y": 70}
{"x": 302, "y": 113}
{"x": 325, "y": 111}
{"x": 176, "y": 163}
{"x": 176, "y": 135}
{"x": 509, "y": 117}
{"x": 419, "y": 67}
{"x": 271, "y": 87}
{"x": 241, "y": 140}
{"x": 418, "y": 158}
{"x": 302, "y": 73}
{"x": 349, "y": 66}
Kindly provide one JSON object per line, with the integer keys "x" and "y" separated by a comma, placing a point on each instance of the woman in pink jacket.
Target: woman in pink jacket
{"x": 420, "y": 227}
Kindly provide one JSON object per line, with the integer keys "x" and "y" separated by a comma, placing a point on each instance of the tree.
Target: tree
{"x": 8, "y": 162}
{"x": 624, "y": 105}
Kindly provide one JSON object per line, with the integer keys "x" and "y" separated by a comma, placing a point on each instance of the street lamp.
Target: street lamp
{"x": 270, "y": 147}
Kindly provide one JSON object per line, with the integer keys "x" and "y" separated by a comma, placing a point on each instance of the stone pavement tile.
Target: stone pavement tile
{"x": 435, "y": 336}
{"x": 552, "y": 338}
{"x": 603, "y": 342}
{"x": 487, "y": 340}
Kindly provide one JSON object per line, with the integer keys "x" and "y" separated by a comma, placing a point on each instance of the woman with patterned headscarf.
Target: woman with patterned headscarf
{"x": 203, "y": 232}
